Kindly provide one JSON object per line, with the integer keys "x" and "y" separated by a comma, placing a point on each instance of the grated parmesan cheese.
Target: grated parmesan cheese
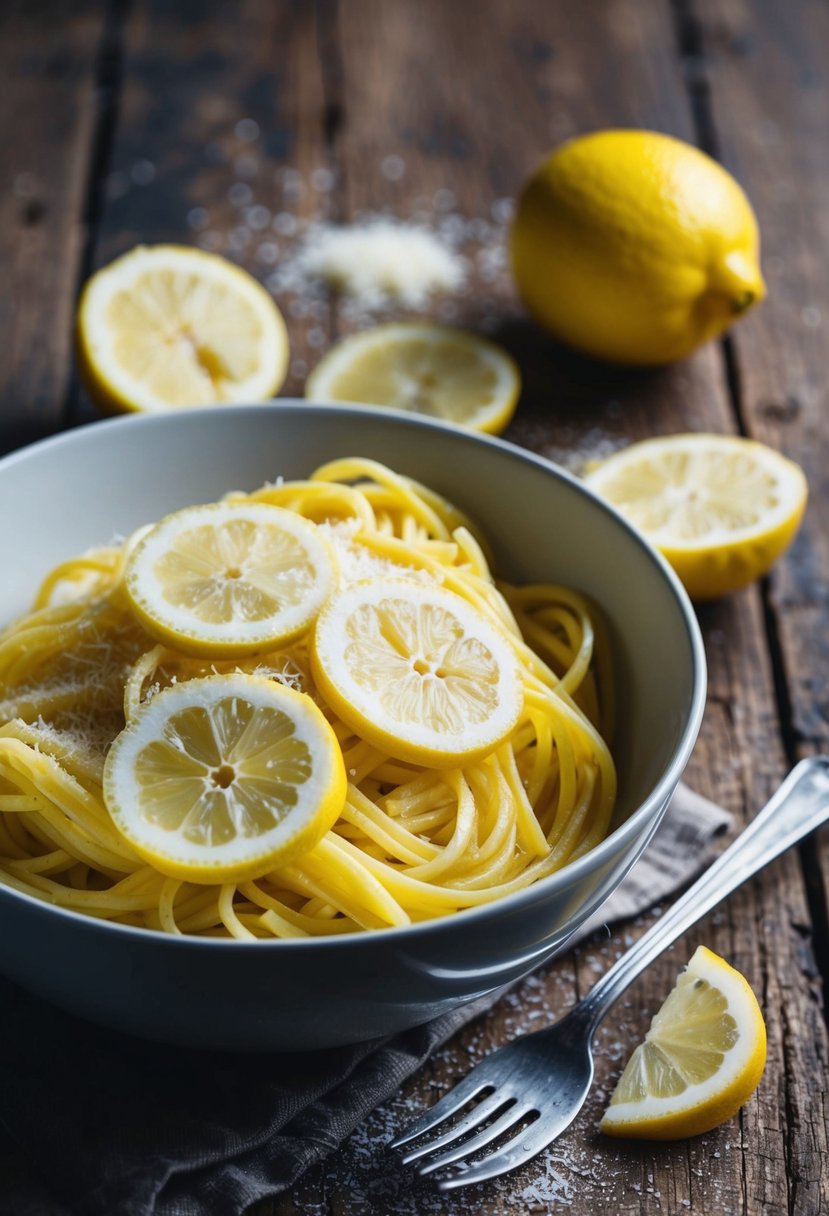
{"x": 382, "y": 261}
{"x": 355, "y": 562}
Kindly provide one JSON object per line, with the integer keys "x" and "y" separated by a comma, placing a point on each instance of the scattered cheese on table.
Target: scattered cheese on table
{"x": 383, "y": 260}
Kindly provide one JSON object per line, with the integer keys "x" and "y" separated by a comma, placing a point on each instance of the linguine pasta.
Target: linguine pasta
{"x": 411, "y": 843}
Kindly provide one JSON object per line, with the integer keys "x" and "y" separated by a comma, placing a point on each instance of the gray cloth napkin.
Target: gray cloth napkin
{"x": 110, "y": 1126}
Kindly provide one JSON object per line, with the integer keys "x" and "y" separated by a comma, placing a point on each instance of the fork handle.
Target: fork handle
{"x": 799, "y": 806}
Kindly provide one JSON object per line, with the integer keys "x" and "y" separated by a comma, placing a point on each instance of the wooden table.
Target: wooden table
{"x": 233, "y": 126}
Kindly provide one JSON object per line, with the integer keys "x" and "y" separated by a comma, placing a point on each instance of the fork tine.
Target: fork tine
{"x": 492, "y": 1103}
{"x": 508, "y": 1119}
{"x": 450, "y": 1104}
{"x": 516, "y": 1152}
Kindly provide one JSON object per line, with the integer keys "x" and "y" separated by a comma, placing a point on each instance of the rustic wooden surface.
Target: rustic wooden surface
{"x": 232, "y": 125}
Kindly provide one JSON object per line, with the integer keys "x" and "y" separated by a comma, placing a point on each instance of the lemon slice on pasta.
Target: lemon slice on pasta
{"x": 225, "y": 778}
{"x": 230, "y": 578}
{"x": 417, "y": 671}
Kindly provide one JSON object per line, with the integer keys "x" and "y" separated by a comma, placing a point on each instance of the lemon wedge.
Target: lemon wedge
{"x": 229, "y": 578}
{"x": 417, "y": 671}
{"x": 721, "y": 509}
{"x": 424, "y": 369}
{"x": 225, "y": 778}
{"x": 166, "y": 326}
{"x": 700, "y": 1062}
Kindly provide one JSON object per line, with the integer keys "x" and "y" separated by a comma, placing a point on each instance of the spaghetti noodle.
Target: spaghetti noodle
{"x": 411, "y": 843}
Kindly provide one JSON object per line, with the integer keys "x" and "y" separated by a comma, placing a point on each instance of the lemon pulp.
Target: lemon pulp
{"x": 417, "y": 670}
{"x": 230, "y": 577}
{"x": 224, "y": 778}
{"x": 424, "y": 369}
{"x": 166, "y": 326}
{"x": 722, "y": 509}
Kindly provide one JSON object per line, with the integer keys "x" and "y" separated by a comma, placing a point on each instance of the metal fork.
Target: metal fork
{"x": 535, "y": 1086}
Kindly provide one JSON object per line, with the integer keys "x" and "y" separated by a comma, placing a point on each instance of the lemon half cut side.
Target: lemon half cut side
{"x": 422, "y": 368}
{"x": 225, "y": 778}
{"x": 701, "y": 1060}
{"x": 229, "y": 578}
{"x": 720, "y": 508}
{"x": 167, "y": 326}
{"x": 417, "y": 671}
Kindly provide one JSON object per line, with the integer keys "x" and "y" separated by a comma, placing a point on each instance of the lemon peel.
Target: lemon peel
{"x": 635, "y": 247}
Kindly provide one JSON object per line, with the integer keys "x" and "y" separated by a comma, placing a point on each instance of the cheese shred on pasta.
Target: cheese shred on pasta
{"x": 411, "y": 844}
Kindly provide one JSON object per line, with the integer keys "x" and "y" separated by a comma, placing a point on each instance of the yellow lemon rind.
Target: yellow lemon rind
{"x": 634, "y": 247}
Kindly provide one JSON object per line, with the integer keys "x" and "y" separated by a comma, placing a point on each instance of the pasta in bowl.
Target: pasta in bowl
{"x": 471, "y": 829}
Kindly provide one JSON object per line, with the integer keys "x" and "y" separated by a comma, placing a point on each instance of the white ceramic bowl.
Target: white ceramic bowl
{"x": 82, "y": 488}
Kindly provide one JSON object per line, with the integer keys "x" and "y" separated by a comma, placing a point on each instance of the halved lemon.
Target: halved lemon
{"x": 225, "y": 778}
{"x": 424, "y": 369}
{"x": 700, "y": 1062}
{"x": 229, "y": 578}
{"x": 722, "y": 509}
{"x": 167, "y": 326}
{"x": 417, "y": 671}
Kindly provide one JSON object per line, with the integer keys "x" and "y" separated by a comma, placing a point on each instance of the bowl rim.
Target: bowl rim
{"x": 571, "y": 873}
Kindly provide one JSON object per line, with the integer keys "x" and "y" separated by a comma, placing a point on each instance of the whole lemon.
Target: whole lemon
{"x": 635, "y": 247}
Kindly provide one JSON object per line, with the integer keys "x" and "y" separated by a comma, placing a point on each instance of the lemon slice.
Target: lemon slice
{"x": 425, "y": 369}
{"x": 700, "y": 1062}
{"x": 229, "y": 578}
{"x": 166, "y": 326}
{"x": 225, "y": 778}
{"x": 416, "y": 671}
{"x": 721, "y": 509}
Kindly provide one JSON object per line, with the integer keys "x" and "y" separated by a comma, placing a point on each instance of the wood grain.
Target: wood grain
{"x": 222, "y": 120}
{"x": 770, "y": 102}
{"x": 50, "y": 66}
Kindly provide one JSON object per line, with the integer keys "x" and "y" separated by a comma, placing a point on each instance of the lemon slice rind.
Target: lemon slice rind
{"x": 229, "y": 578}
{"x": 169, "y": 326}
{"x": 433, "y": 370}
{"x": 705, "y": 1049}
{"x": 236, "y": 757}
{"x": 416, "y": 671}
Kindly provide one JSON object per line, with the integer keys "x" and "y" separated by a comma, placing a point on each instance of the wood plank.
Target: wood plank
{"x": 49, "y": 61}
{"x": 770, "y": 97}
